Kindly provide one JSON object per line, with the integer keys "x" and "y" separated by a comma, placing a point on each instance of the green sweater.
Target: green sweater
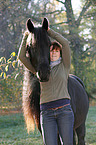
{"x": 56, "y": 87}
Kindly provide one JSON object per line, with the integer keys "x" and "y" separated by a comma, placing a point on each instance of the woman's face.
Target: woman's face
{"x": 54, "y": 54}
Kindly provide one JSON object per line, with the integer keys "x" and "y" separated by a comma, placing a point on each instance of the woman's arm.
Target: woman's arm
{"x": 66, "y": 52}
{"x": 22, "y": 54}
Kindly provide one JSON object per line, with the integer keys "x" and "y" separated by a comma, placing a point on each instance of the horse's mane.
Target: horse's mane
{"x": 30, "y": 39}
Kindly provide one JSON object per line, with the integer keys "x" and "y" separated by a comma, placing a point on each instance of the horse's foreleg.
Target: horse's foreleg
{"x": 59, "y": 142}
{"x": 81, "y": 134}
{"x": 74, "y": 138}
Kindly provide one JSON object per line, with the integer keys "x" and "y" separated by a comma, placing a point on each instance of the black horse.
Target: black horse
{"x": 39, "y": 54}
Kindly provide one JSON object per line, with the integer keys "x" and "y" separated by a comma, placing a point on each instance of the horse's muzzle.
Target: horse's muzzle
{"x": 44, "y": 80}
{"x": 43, "y": 73}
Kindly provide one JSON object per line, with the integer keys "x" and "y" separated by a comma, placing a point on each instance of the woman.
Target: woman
{"x": 56, "y": 113}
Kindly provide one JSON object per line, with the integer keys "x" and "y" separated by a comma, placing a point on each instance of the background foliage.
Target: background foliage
{"x": 77, "y": 25}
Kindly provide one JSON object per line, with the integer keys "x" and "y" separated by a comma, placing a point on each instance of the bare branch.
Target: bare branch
{"x": 59, "y": 11}
{"x": 70, "y": 15}
{"x": 86, "y": 6}
{"x": 60, "y": 1}
{"x": 58, "y": 24}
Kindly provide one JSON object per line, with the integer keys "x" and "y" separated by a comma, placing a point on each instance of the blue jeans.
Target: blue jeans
{"x": 54, "y": 121}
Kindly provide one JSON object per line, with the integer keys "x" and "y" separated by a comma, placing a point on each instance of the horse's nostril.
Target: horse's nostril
{"x": 43, "y": 76}
{"x": 42, "y": 80}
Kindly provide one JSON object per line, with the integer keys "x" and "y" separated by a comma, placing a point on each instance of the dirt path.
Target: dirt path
{"x": 7, "y": 112}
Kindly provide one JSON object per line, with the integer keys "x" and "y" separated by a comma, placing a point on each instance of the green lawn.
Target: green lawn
{"x": 13, "y": 131}
{"x": 91, "y": 126}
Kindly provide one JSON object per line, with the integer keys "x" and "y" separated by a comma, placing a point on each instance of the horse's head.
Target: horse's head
{"x": 39, "y": 49}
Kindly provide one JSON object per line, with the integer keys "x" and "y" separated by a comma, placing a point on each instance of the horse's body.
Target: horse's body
{"x": 31, "y": 91}
{"x": 80, "y": 105}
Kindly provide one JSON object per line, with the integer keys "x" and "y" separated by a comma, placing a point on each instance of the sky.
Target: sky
{"x": 76, "y": 5}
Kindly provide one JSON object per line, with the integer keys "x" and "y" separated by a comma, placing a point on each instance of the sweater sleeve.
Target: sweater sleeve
{"x": 66, "y": 52}
{"x": 22, "y": 55}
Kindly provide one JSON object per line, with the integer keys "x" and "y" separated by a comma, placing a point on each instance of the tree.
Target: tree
{"x": 83, "y": 47}
{"x": 12, "y": 24}
{"x": 62, "y": 18}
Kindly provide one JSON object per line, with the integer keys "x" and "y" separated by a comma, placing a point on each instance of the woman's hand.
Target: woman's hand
{"x": 48, "y": 29}
{"x": 26, "y": 33}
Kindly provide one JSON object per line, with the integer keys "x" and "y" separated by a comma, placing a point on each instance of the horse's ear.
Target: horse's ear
{"x": 30, "y": 25}
{"x": 45, "y": 24}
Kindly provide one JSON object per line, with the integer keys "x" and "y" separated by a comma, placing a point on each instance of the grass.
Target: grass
{"x": 91, "y": 126}
{"x": 13, "y": 130}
